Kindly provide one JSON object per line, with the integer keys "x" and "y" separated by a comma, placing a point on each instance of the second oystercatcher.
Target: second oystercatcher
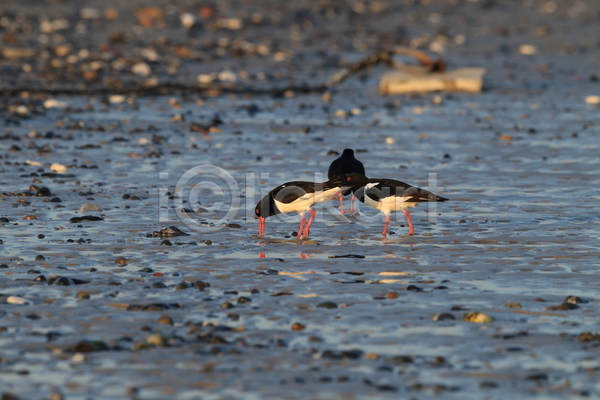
{"x": 387, "y": 195}
{"x": 298, "y": 197}
{"x": 345, "y": 164}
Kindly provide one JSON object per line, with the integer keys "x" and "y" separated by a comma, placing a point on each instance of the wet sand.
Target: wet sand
{"x": 223, "y": 314}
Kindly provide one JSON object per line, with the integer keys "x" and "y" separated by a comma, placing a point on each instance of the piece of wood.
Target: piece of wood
{"x": 418, "y": 79}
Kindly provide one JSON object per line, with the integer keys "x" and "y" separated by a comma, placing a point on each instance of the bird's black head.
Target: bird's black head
{"x": 348, "y": 153}
{"x": 265, "y": 207}
{"x": 355, "y": 180}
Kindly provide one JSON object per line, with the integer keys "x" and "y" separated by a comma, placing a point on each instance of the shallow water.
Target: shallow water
{"x": 519, "y": 163}
{"x": 521, "y": 225}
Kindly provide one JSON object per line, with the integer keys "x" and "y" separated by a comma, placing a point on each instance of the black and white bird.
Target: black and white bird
{"x": 298, "y": 197}
{"x": 387, "y": 195}
{"x": 345, "y": 164}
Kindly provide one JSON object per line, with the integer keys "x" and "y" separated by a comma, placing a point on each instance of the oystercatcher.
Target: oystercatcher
{"x": 298, "y": 197}
{"x": 345, "y": 164}
{"x": 389, "y": 195}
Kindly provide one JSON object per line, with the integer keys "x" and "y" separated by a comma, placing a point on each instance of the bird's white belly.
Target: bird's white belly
{"x": 303, "y": 203}
{"x": 388, "y": 204}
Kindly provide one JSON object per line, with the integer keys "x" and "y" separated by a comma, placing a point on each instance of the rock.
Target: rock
{"x": 201, "y": 285}
{"x": 171, "y": 231}
{"x": 87, "y": 207}
{"x": 574, "y": 300}
{"x": 563, "y": 307}
{"x": 413, "y": 288}
{"x": 327, "y": 304}
{"x": 182, "y": 286}
{"x": 87, "y": 346}
{"x": 166, "y": 242}
{"x": 298, "y": 327}
{"x": 40, "y": 257}
{"x": 165, "y": 319}
{"x": 586, "y": 337}
{"x": 158, "y": 285}
{"x": 43, "y": 192}
{"x": 513, "y": 304}
{"x": 85, "y": 218}
{"x": 17, "y": 300}
{"x": 82, "y": 295}
{"x": 121, "y": 261}
{"x": 443, "y": 317}
{"x": 477, "y": 317}
{"x": 59, "y": 168}
{"x": 226, "y": 304}
{"x": 141, "y": 69}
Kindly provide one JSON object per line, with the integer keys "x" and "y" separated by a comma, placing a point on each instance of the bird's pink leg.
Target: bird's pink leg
{"x": 313, "y": 213}
{"x": 352, "y": 198}
{"x": 261, "y": 226}
{"x": 341, "y": 197}
{"x": 411, "y": 229}
{"x": 302, "y": 225}
{"x": 385, "y": 226}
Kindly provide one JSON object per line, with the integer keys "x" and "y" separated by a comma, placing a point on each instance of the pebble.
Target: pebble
{"x": 17, "y": 300}
{"x": 121, "y": 261}
{"x": 165, "y": 319}
{"x": 327, "y": 304}
{"x": 574, "y": 300}
{"x": 170, "y": 231}
{"x": 226, "y": 304}
{"x": 158, "y": 285}
{"x": 43, "y": 192}
{"x": 182, "y": 286}
{"x": 413, "y": 288}
{"x": 166, "y": 242}
{"x": 141, "y": 69}
{"x": 513, "y": 304}
{"x": 443, "y": 317}
{"x": 201, "y": 285}
{"x": 85, "y": 218}
{"x": 298, "y": 326}
{"x": 82, "y": 295}
{"x": 59, "y": 168}
{"x": 592, "y": 100}
{"x": 87, "y": 346}
{"x": 586, "y": 337}
{"x": 243, "y": 299}
{"x": 87, "y": 207}
{"x": 563, "y": 307}
{"x": 391, "y": 295}
{"x": 40, "y": 257}
{"x": 477, "y": 317}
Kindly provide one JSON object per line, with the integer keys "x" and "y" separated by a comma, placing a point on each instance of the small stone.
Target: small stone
{"x": 87, "y": 207}
{"x": 243, "y": 299}
{"x": 41, "y": 236}
{"x": 298, "y": 327}
{"x": 165, "y": 319}
{"x": 391, "y": 295}
{"x": 40, "y": 257}
{"x": 158, "y": 285}
{"x": 563, "y": 307}
{"x": 586, "y": 337}
{"x": 166, "y": 242}
{"x": 201, "y": 285}
{"x": 17, "y": 300}
{"x": 477, "y": 317}
{"x": 327, "y": 304}
{"x": 43, "y": 192}
{"x": 121, "y": 261}
{"x": 82, "y": 295}
{"x": 182, "y": 286}
{"x": 443, "y": 317}
{"x": 574, "y": 300}
{"x": 488, "y": 385}
{"x": 29, "y": 217}
{"x": 141, "y": 69}
{"x": 413, "y": 288}
{"x": 513, "y": 304}
{"x": 88, "y": 346}
{"x": 59, "y": 168}
{"x": 226, "y": 304}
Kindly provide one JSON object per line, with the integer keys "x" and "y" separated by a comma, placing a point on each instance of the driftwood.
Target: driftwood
{"x": 428, "y": 76}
